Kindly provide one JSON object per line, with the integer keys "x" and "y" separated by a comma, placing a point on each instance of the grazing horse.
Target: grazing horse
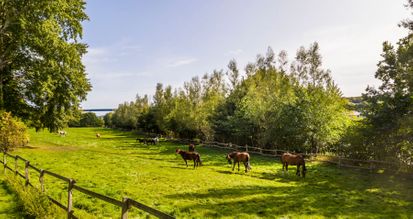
{"x": 239, "y": 157}
{"x": 62, "y": 133}
{"x": 141, "y": 140}
{"x": 191, "y": 148}
{"x": 294, "y": 159}
{"x": 190, "y": 156}
{"x": 148, "y": 140}
{"x": 97, "y": 135}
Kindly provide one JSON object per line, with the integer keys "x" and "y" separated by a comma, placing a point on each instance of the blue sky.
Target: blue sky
{"x": 135, "y": 44}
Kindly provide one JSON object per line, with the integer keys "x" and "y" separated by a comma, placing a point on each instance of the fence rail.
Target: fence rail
{"x": 125, "y": 204}
{"x": 339, "y": 161}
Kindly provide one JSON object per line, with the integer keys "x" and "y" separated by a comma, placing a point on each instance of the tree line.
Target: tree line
{"x": 275, "y": 104}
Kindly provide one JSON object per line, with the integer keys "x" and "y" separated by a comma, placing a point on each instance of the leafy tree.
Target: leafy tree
{"x": 386, "y": 130}
{"x": 13, "y": 132}
{"x": 42, "y": 78}
{"x": 107, "y": 118}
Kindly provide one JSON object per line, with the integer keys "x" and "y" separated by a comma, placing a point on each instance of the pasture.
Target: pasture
{"x": 116, "y": 165}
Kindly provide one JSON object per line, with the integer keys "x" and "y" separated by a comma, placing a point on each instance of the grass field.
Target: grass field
{"x": 8, "y": 202}
{"x": 117, "y": 166}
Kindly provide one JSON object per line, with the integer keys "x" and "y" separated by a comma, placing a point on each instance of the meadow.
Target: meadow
{"x": 116, "y": 165}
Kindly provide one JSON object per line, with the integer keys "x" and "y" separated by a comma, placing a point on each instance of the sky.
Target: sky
{"x": 135, "y": 44}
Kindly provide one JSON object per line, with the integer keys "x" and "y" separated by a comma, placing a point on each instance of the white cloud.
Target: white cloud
{"x": 96, "y": 55}
{"x": 183, "y": 61}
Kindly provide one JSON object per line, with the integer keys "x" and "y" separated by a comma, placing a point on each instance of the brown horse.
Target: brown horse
{"x": 294, "y": 159}
{"x": 239, "y": 157}
{"x": 190, "y": 156}
{"x": 191, "y": 148}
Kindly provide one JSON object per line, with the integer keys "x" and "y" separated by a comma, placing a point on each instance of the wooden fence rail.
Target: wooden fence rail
{"x": 125, "y": 204}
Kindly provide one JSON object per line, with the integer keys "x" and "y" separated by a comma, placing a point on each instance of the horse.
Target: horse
{"x": 191, "y": 148}
{"x": 141, "y": 140}
{"x": 186, "y": 155}
{"x": 294, "y": 159}
{"x": 239, "y": 157}
{"x": 152, "y": 140}
{"x": 97, "y": 135}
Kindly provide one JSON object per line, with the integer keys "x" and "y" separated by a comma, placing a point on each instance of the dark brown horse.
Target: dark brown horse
{"x": 186, "y": 155}
{"x": 294, "y": 159}
{"x": 191, "y": 148}
{"x": 239, "y": 157}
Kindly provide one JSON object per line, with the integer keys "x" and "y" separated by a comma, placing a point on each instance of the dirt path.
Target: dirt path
{"x": 8, "y": 202}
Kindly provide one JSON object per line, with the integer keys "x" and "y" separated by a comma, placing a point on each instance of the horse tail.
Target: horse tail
{"x": 199, "y": 159}
{"x": 248, "y": 162}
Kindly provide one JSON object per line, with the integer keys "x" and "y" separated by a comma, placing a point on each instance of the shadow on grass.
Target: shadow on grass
{"x": 283, "y": 201}
{"x": 329, "y": 193}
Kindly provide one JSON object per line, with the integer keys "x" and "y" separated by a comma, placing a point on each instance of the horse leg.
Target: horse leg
{"x": 238, "y": 165}
{"x": 298, "y": 170}
{"x": 233, "y": 166}
{"x": 286, "y": 168}
{"x": 186, "y": 163}
{"x": 194, "y": 163}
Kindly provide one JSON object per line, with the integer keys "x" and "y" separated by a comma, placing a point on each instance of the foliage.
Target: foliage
{"x": 42, "y": 78}
{"x": 127, "y": 114}
{"x": 13, "y": 132}
{"x": 88, "y": 119}
{"x": 301, "y": 109}
{"x": 386, "y": 131}
{"x": 115, "y": 164}
{"x": 271, "y": 106}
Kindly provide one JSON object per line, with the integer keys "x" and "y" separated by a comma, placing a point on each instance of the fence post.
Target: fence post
{"x": 15, "y": 165}
{"x": 246, "y": 148}
{"x": 69, "y": 199}
{"x": 41, "y": 179}
{"x": 26, "y": 172}
{"x": 125, "y": 208}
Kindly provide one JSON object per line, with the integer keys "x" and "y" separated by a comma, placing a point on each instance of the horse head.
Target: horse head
{"x": 178, "y": 151}
{"x": 229, "y": 158}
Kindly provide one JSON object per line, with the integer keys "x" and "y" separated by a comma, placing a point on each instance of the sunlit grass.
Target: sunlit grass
{"x": 115, "y": 165}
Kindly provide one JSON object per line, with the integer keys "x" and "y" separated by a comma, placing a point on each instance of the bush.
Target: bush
{"x": 13, "y": 132}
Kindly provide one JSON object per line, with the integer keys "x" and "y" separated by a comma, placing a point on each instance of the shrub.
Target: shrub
{"x": 13, "y": 132}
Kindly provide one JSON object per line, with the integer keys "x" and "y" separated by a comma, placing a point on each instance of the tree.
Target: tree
{"x": 42, "y": 78}
{"x": 386, "y": 131}
{"x": 13, "y": 132}
{"x": 108, "y": 120}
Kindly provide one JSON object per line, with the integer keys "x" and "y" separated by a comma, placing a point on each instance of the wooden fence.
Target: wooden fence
{"x": 125, "y": 204}
{"x": 339, "y": 161}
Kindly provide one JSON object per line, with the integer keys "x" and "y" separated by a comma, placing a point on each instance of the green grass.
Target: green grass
{"x": 117, "y": 166}
{"x": 8, "y": 202}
